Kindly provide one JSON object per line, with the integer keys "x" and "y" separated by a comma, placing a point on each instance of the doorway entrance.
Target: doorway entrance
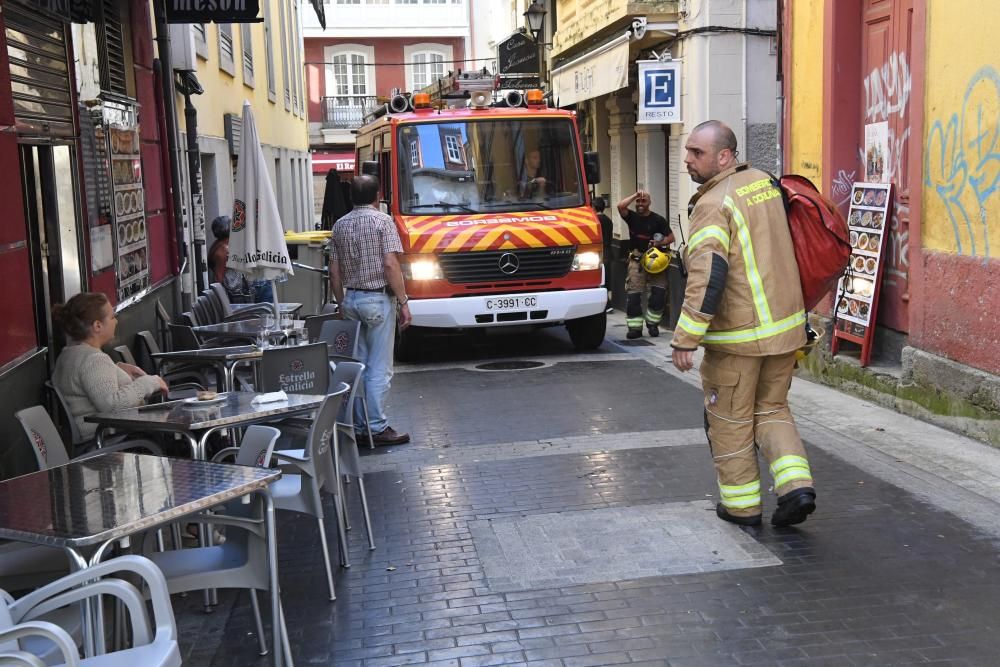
{"x": 48, "y": 182}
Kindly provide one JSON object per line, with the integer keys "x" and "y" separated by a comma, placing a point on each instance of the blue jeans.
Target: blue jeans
{"x": 377, "y": 314}
{"x": 262, "y": 292}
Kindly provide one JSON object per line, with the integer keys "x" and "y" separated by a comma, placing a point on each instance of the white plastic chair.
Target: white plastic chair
{"x": 154, "y": 646}
{"x": 48, "y": 445}
{"x": 344, "y": 340}
{"x": 307, "y": 472}
{"x": 241, "y": 561}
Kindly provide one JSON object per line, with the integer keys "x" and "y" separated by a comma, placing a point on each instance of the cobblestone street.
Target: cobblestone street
{"x": 564, "y": 515}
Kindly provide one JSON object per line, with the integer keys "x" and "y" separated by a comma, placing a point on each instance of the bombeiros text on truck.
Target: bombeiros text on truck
{"x": 491, "y": 202}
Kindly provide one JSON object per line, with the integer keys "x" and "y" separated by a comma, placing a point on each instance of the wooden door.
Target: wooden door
{"x": 886, "y": 98}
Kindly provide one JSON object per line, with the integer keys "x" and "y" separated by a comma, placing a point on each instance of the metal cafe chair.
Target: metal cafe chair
{"x": 344, "y": 339}
{"x": 347, "y": 461}
{"x": 171, "y": 373}
{"x": 152, "y": 646}
{"x": 314, "y": 324}
{"x": 305, "y": 475}
{"x": 238, "y": 311}
{"x": 240, "y": 561}
{"x": 78, "y": 443}
{"x": 177, "y": 389}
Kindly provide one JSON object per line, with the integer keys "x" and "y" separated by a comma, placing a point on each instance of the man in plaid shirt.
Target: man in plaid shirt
{"x": 366, "y": 280}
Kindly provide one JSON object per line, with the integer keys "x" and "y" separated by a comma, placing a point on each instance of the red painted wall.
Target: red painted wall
{"x": 961, "y": 300}
{"x": 156, "y": 180}
{"x": 18, "y": 334}
{"x": 387, "y": 50}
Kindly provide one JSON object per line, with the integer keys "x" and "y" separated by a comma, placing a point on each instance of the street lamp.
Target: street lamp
{"x": 534, "y": 17}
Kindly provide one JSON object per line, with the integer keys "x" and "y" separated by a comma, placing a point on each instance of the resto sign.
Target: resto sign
{"x": 213, "y": 11}
{"x": 518, "y": 54}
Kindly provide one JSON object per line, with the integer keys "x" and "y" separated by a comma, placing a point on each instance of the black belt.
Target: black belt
{"x": 380, "y": 290}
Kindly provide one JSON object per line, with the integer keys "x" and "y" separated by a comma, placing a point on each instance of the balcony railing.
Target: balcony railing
{"x": 346, "y": 112}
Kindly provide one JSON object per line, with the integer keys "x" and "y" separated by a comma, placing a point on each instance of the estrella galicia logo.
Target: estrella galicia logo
{"x": 239, "y": 215}
{"x": 296, "y": 365}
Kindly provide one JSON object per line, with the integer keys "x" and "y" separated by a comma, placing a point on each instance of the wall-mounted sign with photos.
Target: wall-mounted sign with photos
{"x": 858, "y": 289}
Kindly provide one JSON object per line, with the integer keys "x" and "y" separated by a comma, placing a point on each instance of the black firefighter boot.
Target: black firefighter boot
{"x": 794, "y": 507}
{"x": 633, "y": 334}
{"x": 723, "y": 513}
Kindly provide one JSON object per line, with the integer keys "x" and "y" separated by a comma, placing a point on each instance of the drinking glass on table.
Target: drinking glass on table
{"x": 268, "y": 322}
{"x": 286, "y": 321}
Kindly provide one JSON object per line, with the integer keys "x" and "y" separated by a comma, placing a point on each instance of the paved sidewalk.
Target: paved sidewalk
{"x": 564, "y": 516}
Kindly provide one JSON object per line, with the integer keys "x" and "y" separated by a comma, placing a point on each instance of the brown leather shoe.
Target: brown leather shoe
{"x": 390, "y": 437}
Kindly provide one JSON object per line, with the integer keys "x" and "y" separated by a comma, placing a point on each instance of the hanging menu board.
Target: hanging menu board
{"x": 858, "y": 289}
{"x": 132, "y": 252}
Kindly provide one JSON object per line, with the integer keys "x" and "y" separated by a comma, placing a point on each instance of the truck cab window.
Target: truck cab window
{"x": 488, "y": 166}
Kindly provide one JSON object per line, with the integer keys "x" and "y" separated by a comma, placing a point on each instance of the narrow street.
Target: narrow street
{"x": 564, "y": 515}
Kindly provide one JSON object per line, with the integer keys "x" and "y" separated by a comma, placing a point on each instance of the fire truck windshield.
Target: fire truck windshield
{"x": 488, "y": 166}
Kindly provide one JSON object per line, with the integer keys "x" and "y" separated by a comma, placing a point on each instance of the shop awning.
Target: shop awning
{"x": 324, "y": 162}
{"x": 598, "y": 72}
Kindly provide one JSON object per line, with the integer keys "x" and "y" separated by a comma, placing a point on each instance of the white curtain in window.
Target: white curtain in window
{"x": 428, "y": 67}
{"x": 350, "y": 76}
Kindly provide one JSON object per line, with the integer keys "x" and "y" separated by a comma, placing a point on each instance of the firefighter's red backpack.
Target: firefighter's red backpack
{"x": 819, "y": 234}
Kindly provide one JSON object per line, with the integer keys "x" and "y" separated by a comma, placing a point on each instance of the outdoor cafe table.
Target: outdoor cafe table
{"x": 284, "y": 307}
{"x": 196, "y": 422}
{"x": 86, "y": 506}
{"x": 249, "y": 328}
{"x": 225, "y": 359}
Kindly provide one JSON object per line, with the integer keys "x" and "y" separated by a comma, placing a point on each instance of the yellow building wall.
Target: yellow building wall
{"x": 961, "y": 143}
{"x": 805, "y": 90}
{"x": 225, "y": 93}
{"x": 579, "y": 19}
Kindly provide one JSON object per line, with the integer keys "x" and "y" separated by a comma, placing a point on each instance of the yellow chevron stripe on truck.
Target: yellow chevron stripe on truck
{"x": 498, "y": 231}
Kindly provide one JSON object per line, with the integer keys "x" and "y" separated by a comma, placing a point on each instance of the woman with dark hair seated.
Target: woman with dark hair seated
{"x": 89, "y": 379}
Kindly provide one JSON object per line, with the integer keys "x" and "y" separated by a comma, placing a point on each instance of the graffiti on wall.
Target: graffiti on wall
{"x": 843, "y": 182}
{"x": 887, "y": 95}
{"x": 962, "y": 162}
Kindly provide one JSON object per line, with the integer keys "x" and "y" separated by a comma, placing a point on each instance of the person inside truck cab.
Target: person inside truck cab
{"x": 532, "y": 182}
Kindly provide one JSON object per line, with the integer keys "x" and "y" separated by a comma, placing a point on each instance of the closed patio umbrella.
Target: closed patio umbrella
{"x": 257, "y": 237}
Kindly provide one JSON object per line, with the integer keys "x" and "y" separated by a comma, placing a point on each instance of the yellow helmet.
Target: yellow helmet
{"x": 655, "y": 260}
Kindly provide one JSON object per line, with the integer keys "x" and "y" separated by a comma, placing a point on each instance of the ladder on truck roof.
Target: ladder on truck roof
{"x": 459, "y": 86}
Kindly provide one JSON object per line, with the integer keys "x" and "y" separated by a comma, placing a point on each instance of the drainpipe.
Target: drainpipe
{"x": 780, "y": 101}
{"x": 746, "y": 93}
{"x": 182, "y": 291}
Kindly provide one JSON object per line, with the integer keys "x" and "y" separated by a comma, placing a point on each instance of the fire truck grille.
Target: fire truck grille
{"x": 498, "y": 265}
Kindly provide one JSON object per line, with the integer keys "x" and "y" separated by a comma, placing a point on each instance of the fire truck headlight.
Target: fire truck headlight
{"x": 423, "y": 269}
{"x": 586, "y": 261}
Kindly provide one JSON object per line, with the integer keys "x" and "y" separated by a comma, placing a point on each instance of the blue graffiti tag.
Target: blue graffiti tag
{"x": 962, "y": 161}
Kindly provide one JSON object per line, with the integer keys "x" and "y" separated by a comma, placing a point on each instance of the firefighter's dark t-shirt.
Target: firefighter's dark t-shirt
{"x": 641, "y": 228}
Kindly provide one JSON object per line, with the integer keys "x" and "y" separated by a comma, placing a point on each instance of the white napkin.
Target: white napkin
{"x": 270, "y": 397}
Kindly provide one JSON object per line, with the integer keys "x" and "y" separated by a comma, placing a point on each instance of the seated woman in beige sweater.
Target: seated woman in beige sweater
{"x": 88, "y": 378}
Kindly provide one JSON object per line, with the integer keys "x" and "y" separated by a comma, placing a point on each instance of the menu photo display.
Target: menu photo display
{"x": 868, "y": 222}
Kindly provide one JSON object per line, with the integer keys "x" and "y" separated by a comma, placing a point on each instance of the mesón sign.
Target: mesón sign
{"x": 213, "y": 11}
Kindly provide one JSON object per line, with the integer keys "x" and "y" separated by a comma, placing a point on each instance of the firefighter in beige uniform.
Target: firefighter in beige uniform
{"x": 744, "y": 305}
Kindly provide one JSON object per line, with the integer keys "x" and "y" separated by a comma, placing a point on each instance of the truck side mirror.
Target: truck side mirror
{"x": 370, "y": 168}
{"x": 592, "y": 167}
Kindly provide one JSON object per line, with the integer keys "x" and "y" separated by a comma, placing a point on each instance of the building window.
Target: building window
{"x": 348, "y": 2}
{"x": 226, "y": 62}
{"x": 298, "y": 101}
{"x": 427, "y": 68}
{"x": 425, "y": 63}
{"x": 246, "y": 46}
{"x": 406, "y": 2}
{"x": 200, "y": 40}
{"x": 272, "y": 93}
{"x": 350, "y": 78}
{"x": 414, "y": 153}
{"x": 283, "y": 29}
{"x": 435, "y": 2}
{"x": 454, "y": 148}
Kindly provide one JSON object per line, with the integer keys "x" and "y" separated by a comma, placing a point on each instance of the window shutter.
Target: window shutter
{"x": 111, "y": 47}
{"x": 39, "y": 71}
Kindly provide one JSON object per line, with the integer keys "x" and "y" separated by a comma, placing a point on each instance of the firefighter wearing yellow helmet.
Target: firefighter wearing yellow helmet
{"x": 650, "y": 238}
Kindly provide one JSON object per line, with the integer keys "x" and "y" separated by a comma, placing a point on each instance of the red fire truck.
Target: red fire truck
{"x": 492, "y": 207}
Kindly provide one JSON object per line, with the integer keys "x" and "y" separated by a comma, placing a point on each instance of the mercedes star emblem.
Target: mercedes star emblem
{"x": 508, "y": 263}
